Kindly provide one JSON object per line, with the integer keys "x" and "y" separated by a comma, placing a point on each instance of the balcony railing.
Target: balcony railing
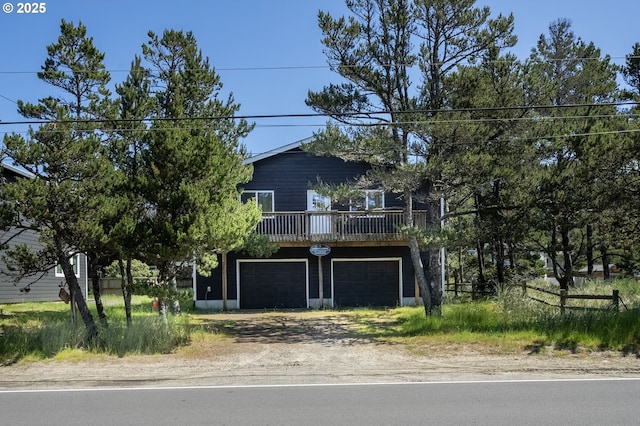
{"x": 378, "y": 225}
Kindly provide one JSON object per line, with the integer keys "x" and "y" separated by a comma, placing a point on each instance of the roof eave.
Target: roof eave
{"x": 17, "y": 171}
{"x": 277, "y": 151}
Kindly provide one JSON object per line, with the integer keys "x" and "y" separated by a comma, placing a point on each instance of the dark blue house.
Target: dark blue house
{"x": 368, "y": 261}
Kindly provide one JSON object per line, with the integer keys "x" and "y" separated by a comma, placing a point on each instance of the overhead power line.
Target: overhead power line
{"x": 397, "y": 123}
{"x": 329, "y": 66}
{"x": 8, "y": 99}
{"x": 466, "y": 143}
{"x": 355, "y": 115}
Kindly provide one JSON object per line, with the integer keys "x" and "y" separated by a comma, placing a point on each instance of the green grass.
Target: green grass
{"x": 594, "y": 330}
{"x": 508, "y": 324}
{"x": 35, "y": 331}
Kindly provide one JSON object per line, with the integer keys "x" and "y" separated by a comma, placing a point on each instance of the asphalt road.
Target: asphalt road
{"x": 560, "y": 402}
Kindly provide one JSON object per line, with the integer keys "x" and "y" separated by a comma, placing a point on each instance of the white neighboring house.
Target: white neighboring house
{"x": 45, "y": 287}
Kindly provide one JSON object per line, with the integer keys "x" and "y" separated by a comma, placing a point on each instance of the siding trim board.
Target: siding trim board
{"x": 293, "y": 260}
{"x": 368, "y": 259}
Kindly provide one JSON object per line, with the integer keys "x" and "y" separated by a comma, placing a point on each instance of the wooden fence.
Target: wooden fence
{"x": 563, "y": 296}
{"x": 114, "y": 285}
{"x": 468, "y": 288}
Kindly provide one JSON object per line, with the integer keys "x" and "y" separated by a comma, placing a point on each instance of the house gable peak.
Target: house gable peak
{"x": 276, "y": 151}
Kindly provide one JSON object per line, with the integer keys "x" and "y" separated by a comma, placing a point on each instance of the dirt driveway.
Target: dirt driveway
{"x": 308, "y": 347}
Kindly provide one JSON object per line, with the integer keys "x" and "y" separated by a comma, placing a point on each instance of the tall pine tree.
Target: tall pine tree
{"x": 377, "y": 50}
{"x": 485, "y": 160}
{"x": 190, "y": 163}
{"x": 577, "y": 144}
{"x": 65, "y": 201}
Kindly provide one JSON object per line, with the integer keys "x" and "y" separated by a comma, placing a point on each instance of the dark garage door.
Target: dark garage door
{"x": 268, "y": 285}
{"x": 366, "y": 283}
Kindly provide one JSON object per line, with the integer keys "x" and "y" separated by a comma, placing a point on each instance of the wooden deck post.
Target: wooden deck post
{"x": 223, "y": 262}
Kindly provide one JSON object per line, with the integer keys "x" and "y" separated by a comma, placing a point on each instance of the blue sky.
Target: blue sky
{"x": 258, "y": 34}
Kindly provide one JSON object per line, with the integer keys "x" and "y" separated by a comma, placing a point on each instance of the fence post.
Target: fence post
{"x": 615, "y": 298}
{"x": 563, "y": 299}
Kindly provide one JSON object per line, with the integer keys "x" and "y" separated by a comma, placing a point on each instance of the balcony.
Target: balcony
{"x": 336, "y": 226}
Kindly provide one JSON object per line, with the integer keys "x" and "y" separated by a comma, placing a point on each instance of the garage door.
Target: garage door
{"x": 272, "y": 284}
{"x": 366, "y": 283}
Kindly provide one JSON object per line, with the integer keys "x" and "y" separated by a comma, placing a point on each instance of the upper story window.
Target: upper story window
{"x": 371, "y": 199}
{"x": 263, "y": 199}
{"x": 75, "y": 263}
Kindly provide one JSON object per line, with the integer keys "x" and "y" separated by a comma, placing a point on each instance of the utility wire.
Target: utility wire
{"x": 481, "y": 142}
{"x": 8, "y": 99}
{"x": 356, "y": 115}
{"x": 315, "y": 67}
{"x": 397, "y": 123}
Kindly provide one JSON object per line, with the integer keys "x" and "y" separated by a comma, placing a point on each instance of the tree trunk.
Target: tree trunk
{"x": 604, "y": 251}
{"x": 589, "y": 250}
{"x": 498, "y": 239}
{"x": 460, "y": 265}
{"x": 175, "y": 303}
{"x": 499, "y": 247}
{"x": 432, "y": 275}
{"x": 433, "y": 270}
{"x": 562, "y": 277}
{"x": 163, "y": 282}
{"x": 126, "y": 284}
{"x": 568, "y": 261}
{"x": 76, "y": 293}
{"x": 418, "y": 268}
{"x": 482, "y": 281}
{"x": 512, "y": 258}
{"x": 95, "y": 284}
{"x": 457, "y": 279}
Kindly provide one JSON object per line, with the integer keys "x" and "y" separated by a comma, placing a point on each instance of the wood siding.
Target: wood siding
{"x": 43, "y": 288}
{"x": 290, "y": 174}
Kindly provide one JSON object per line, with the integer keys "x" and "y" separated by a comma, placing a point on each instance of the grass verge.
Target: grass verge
{"x": 504, "y": 326}
{"x": 36, "y": 331}
{"x": 509, "y": 324}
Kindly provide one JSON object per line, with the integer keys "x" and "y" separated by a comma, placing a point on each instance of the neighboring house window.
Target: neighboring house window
{"x": 371, "y": 199}
{"x": 263, "y": 199}
{"x": 75, "y": 262}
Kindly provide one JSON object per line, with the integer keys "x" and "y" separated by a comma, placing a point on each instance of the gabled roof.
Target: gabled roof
{"x": 16, "y": 170}
{"x": 277, "y": 151}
